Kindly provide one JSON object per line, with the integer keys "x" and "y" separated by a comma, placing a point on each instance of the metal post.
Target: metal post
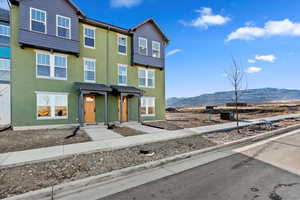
{"x": 139, "y": 108}
{"x": 106, "y": 109}
{"x": 80, "y": 109}
{"x": 121, "y": 108}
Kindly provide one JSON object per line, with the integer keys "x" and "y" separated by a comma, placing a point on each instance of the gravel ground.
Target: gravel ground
{"x": 126, "y": 132}
{"x": 232, "y": 135}
{"x": 26, "y": 178}
{"x": 11, "y": 141}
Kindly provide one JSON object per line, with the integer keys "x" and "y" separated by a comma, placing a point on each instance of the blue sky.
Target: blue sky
{"x": 264, "y": 35}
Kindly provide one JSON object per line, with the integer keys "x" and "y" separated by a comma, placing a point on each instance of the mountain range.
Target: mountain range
{"x": 251, "y": 96}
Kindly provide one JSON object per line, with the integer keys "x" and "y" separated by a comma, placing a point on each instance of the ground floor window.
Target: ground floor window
{"x": 148, "y": 106}
{"x": 52, "y": 105}
{"x": 4, "y": 69}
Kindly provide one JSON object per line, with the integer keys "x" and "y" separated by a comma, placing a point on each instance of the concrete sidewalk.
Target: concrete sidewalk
{"x": 16, "y": 158}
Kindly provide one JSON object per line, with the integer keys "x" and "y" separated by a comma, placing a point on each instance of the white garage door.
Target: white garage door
{"x": 4, "y": 104}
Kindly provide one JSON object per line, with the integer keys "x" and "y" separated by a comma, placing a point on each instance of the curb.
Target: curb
{"x": 65, "y": 189}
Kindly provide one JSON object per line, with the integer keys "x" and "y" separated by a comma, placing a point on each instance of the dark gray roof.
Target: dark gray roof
{"x": 92, "y": 87}
{"x": 69, "y": 1}
{"x": 126, "y": 89}
{"x": 151, "y": 20}
{"x": 4, "y": 14}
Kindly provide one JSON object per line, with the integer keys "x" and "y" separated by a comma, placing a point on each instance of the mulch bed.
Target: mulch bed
{"x": 11, "y": 141}
{"x": 171, "y": 126}
{"x": 126, "y": 132}
{"x": 31, "y": 177}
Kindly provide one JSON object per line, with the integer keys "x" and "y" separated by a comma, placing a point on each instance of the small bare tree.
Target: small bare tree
{"x": 236, "y": 77}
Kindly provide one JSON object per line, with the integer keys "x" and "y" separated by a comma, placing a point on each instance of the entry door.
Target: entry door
{"x": 90, "y": 108}
{"x": 124, "y": 105}
{"x": 4, "y": 104}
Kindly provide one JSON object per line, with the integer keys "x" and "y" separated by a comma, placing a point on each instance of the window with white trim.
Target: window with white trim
{"x": 148, "y": 106}
{"x": 4, "y": 30}
{"x": 38, "y": 20}
{"x": 89, "y": 37}
{"x": 4, "y": 69}
{"x": 122, "y": 74}
{"x": 63, "y": 27}
{"x": 143, "y": 46}
{"x": 52, "y": 105}
{"x": 155, "y": 49}
{"x": 122, "y": 45}
{"x": 146, "y": 78}
{"x": 89, "y": 70}
{"x": 52, "y": 66}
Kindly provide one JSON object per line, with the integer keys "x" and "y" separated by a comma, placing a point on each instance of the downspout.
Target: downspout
{"x": 107, "y": 71}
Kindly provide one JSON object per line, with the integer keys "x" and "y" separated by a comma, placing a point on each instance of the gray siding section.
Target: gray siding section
{"x": 152, "y": 34}
{"x": 49, "y": 40}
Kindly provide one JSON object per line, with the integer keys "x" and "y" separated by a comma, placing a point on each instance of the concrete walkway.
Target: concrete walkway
{"x": 101, "y": 133}
{"x": 143, "y": 128}
{"x": 15, "y": 158}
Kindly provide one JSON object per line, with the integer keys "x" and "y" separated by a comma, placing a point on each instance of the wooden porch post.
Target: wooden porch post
{"x": 106, "y": 109}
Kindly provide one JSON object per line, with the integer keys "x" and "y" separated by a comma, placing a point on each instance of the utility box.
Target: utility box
{"x": 227, "y": 116}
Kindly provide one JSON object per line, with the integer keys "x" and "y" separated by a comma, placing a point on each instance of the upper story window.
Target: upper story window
{"x": 122, "y": 74}
{"x": 51, "y": 66}
{"x": 122, "y": 45}
{"x": 38, "y": 20}
{"x": 4, "y": 34}
{"x": 4, "y": 30}
{"x": 4, "y": 69}
{"x": 89, "y": 70}
{"x": 89, "y": 37}
{"x": 63, "y": 26}
{"x": 146, "y": 78}
{"x": 155, "y": 49}
{"x": 143, "y": 46}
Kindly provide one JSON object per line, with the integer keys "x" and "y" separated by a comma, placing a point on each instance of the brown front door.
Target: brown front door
{"x": 124, "y": 105}
{"x": 90, "y": 108}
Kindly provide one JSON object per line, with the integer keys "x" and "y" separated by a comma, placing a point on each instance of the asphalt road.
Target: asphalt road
{"x": 264, "y": 172}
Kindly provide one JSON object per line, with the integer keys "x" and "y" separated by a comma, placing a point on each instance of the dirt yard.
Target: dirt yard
{"x": 199, "y": 116}
{"x": 127, "y": 132}
{"x": 27, "y": 178}
{"x": 24, "y": 140}
{"x": 233, "y": 135}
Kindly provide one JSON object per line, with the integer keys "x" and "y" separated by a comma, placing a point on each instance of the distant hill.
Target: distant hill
{"x": 252, "y": 96}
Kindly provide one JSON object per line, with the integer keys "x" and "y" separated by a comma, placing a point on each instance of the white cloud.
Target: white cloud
{"x": 124, "y": 3}
{"x": 207, "y": 18}
{"x": 266, "y": 58}
{"x": 271, "y": 28}
{"x": 252, "y": 70}
{"x": 251, "y": 61}
{"x": 173, "y": 52}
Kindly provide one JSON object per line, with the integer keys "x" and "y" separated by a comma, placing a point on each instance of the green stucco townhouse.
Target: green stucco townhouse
{"x": 68, "y": 69}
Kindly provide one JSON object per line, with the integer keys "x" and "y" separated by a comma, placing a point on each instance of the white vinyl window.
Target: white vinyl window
{"x": 63, "y": 27}
{"x": 89, "y": 35}
{"x": 52, "y": 105}
{"x": 155, "y": 49}
{"x": 89, "y": 70}
{"x": 4, "y": 30}
{"x": 38, "y": 20}
{"x": 51, "y": 66}
{"x": 4, "y": 69}
{"x": 122, "y": 74}
{"x": 146, "y": 78}
{"x": 148, "y": 106}
{"x": 122, "y": 45}
{"x": 143, "y": 46}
